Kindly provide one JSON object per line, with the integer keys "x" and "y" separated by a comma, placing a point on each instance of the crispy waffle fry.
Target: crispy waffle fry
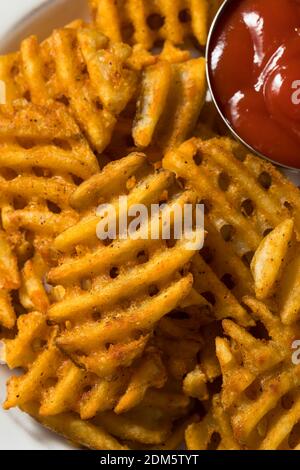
{"x": 168, "y": 105}
{"x": 268, "y": 259}
{"x": 39, "y": 163}
{"x": 244, "y": 198}
{"x": 276, "y": 269}
{"x": 75, "y": 430}
{"x": 53, "y": 385}
{"x": 96, "y": 80}
{"x": 216, "y": 293}
{"x": 145, "y": 22}
{"x": 93, "y": 435}
{"x": 109, "y": 291}
{"x": 259, "y": 398}
{"x": 120, "y": 340}
{"x": 258, "y": 404}
{"x": 77, "y": 66}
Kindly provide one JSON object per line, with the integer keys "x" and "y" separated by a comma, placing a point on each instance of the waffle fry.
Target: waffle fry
{"x": 244, "y": 198}
{"x": 38, "y": 164}
{"x": 76, "y": 430}
{"x": 170, "y": 103}
{"x": 260, "y": 386}
{"x": 21, "y": 189}
{"x": 42, "y": 154}
{"x": 126, "y": 280}
{"x": 94, "y": 436}
{"x": 96, "y": 80}
{"x": 75, "y": 66}
{"x": 147, "y": 22}
{"x": 53, "y": 386}
{"x": 275, "y": 269}
{"x": 35, "y": 350}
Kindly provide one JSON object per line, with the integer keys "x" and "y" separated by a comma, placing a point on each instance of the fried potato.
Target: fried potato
{"x": 260, "y": 387}
{"x": 244, "y": 198}
{"x": 63, "y": 386}
{"x": 75, "y": 430}
{"x": 42, "y": 154}
{"x": 7, "y": 313}
{"x": 76, "y": 66}
{"x": 56, "y": 386}
{"x": 213, "y": 432}
{"x": 170, "y": 103}
{"x": 107, "y": 300}
{"x": 38, "y": 166}
{"x": 165, "y": 111}
{"x": 258, "y": 405}
{"x": 129, "y": 284}
{"x": 268, "y": 258}
{"x": 120, "y": 340}
{"x": 275, "y": 269}
{"x": 9, "y": 280}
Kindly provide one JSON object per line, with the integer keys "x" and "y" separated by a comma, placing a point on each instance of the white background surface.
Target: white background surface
{"x": 17, "y": 430}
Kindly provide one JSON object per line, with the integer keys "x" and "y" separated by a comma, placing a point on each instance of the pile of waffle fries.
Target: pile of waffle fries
{"x": 142, "y": 343}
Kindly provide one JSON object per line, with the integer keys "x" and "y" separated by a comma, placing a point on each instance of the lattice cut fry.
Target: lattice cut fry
{"x": 245, "y": 198}
{"x": 213, "y": 432}
{"x": 7, "y": 313}
{"x": 9, "y": 273}
{"x": 172, "y": 113}
{"x": 288, "y": 292}
{"x": 58, "y": 385}
{"x": 32, "y": 292}
{"x": 75, "y": 430}
{"x": 154, "y": 423}
{"x": 114, "y": 295}
{"x": 276, "y": 269}
{"x": 9, "y": 280}
{"x": 150, "y": 372}
{"x": 112, "y": 81}
{"x": 260, "y": 381}
{"x": 180, "y": 345}
{"x": 220, "y": 300}
{"x": 76, "y": 66}
{"x": 155, "y": 87}
{"x": 144, "y": 22}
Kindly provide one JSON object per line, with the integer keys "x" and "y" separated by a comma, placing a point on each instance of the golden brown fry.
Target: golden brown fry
{"x": 133, "y": 283}
{"x": 276, "y": 268}
{"x": 76, "y": 67}
{"x": 244, "y": 198}
{"x": 260, "y": 381}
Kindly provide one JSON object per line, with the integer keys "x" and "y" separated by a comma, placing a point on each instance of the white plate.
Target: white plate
{"x": 19, "y": 19}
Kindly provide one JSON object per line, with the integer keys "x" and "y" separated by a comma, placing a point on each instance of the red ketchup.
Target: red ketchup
{"x": 254, "y": 66}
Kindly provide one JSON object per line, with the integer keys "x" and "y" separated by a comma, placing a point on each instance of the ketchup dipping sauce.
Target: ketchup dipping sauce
{"x": 254, "y": 73}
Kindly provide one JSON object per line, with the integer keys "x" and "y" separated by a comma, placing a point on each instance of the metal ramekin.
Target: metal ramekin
{"x": 291, "y": 172}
